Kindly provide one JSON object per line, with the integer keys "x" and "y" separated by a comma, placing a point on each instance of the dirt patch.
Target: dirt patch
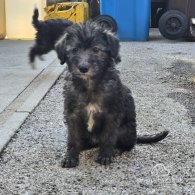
{"x": 183, "y": 77}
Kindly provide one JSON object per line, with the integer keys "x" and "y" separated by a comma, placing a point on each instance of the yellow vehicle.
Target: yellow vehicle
{"x": 74, "y": 11}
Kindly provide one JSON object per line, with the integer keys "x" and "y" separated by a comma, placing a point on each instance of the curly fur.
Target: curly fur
{"x": 99, "y": 110}
{"x": 48, "y": 32}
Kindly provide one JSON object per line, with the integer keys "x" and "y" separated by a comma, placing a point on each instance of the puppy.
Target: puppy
{"x": 99, "y": 110}
{"x": 48, "y": 32}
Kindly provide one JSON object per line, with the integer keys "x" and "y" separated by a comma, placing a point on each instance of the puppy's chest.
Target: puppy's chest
{"x": 92, "y": 109}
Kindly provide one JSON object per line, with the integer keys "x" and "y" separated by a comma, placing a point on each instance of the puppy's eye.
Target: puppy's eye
{"x": 75, "y": 50}
{"x": 96, "y": 49}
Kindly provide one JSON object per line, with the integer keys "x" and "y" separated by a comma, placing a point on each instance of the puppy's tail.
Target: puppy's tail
{"x": 36, "y": 23}
{"x": 152, "y": 138}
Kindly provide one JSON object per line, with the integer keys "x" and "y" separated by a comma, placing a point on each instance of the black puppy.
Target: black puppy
{"x": 99, "y": 109}
{"x": 48, "y": 32}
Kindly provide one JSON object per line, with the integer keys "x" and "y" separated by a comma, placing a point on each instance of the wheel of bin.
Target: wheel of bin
{"x": 107, "y": 21}
{"x": 173, "y": 24}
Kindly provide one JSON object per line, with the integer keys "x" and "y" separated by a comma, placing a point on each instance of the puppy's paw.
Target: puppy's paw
{"x": 69, "y": 162}
{"x": 33, "y": 66}
{"x": 104, "y": 159}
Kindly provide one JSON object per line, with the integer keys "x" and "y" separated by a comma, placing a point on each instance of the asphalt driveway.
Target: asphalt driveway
{"x": 160, "y": 74}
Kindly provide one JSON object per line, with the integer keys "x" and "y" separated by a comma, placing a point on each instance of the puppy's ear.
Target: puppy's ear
{"x": 60, "y": 48}
{"x": 113, "y": 45}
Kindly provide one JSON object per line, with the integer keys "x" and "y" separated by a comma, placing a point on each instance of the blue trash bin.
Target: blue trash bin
{"x": 132, "y": 17}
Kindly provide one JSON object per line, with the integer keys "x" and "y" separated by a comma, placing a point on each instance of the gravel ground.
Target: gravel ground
{"x": 160, "y": 74}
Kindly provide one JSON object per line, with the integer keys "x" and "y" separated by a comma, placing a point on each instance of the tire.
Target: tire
{"x": 107, "y": 22}
{"x": 173, "y": 24}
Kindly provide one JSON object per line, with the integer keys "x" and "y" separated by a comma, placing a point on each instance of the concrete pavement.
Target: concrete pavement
{"x": 21, "y": 88}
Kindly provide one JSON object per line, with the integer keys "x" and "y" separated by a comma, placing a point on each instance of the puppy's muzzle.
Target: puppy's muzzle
{"x": 83, "y": 68}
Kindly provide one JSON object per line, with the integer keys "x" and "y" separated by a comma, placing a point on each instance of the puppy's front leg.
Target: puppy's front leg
{"x": 73, "y": 148}
{"x": 107, "y": 143}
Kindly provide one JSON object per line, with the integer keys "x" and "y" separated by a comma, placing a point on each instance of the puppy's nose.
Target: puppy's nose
{"x": 83, "y": 68}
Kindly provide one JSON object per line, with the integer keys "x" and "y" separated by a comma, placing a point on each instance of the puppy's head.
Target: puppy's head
{"x": 88, "y": 50}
